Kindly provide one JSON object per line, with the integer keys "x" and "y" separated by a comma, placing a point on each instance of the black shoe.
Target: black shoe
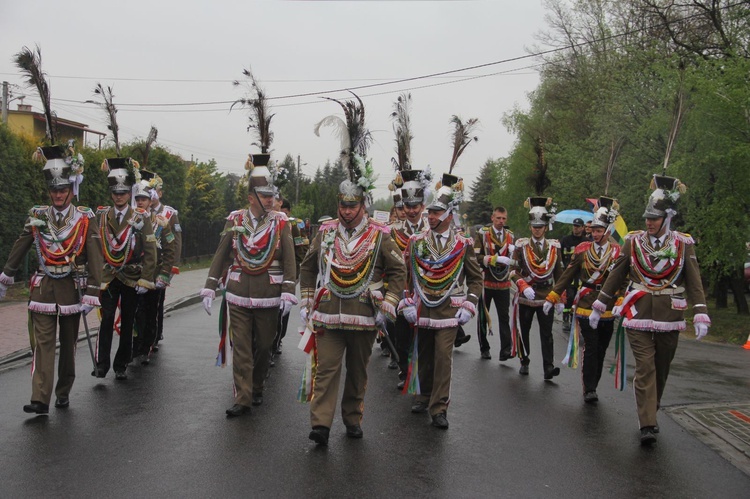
{"x": 121, "y": 375}
{"x": 319, "y": 435}
{"x": 385, "y": 353}
{"x": 144, "y": 360}
{"x": 401, "y": 384}
{"x": 278, "y": 350}
{"x": 656, "y": 429}
{"x": 271, "y": 363}
{"x": 648, "y": 436}
{"x": 419, "y": 407}
{"x": 98, "y": 373}
{"x": 486, "y": 354}
{"x": 155, "y": 348}
{"x": 36, "y": 407}
{"x": 524, "y": 370}
{"x": 440, "y": 421}
{"x": 504, "y": 357}
{"x": 62, "y": 402}
{"x": 590, "y": 397}
{"x": 237, "y": 410}
{"x": 354, "y": 431}
{"x": 460, "y": 341}
{"x": 551, "y": 372}
{"x": 257, "y": 399}
{"x": 393, "y": 365}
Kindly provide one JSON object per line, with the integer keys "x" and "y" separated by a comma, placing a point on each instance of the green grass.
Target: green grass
{"x": 726, "y": 325}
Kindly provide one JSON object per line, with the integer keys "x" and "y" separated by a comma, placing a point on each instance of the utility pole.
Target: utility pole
{"x": 296, "y": 195}
{"x": 5, "y": 103}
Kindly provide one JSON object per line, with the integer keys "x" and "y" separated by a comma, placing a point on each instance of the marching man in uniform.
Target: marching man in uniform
{"x": 67, "y": 282}
{"x": 438, "y": 262}
{"x": 129, "y": 262}
{"x": 590, "y": 263}
{"x": 341, "y": 282}
{"x": 413, "y": 191}
{"x": 172, "y": 216}
{"x": 148, "y": 300}
{"x": 660, "y": 269}
{"x": 493, "y": 245}
{"x": 255, "y": 260}
{"x": 538, "y": 265}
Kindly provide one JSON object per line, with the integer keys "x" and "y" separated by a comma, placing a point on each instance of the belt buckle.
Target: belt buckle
{"x": 598, "y": 287}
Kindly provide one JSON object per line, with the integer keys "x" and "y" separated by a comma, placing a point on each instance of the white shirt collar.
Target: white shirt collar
{"x": 602, "y": 246}
{"x": 537, "y": 241}
{"x": 64, "y": 212}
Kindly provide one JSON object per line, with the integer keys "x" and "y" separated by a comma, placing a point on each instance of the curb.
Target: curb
{"x": 23, "y": 357}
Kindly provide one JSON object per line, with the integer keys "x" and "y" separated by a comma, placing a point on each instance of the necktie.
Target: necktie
{"x": 439, "y": 241}
{"x": 119, "y": 218}
{"x": 540, "y": 246}
{"x": 599, "y": 251}
{"x": 349, "y": 233}
{"x": 657, "y": 244}
{"x": 59, "y": 219}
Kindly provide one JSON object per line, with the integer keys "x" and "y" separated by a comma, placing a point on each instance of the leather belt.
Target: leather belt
{"x": 58, "y": 269}
{"x": 596, "y": 287}
{"x": 543, "y": 284}
{"x": 677, "y": 290}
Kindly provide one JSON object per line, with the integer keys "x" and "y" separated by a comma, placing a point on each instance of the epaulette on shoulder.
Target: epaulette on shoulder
{"x": 554, "y": 242}
{"x": 583, "y": 247}
{"x": 329, "y": 224}
{"x": 38, "y": 210}
{"x": 103, "y": 209}
{"x": 683, "y": 237}
{"x": 139, "y": 211}
{"x": 466, "y": 239}
{"x": 169, "y": 211}
{"x": 279, "y": 215}
{"x": 234, "y": 214}
{"x": 484, "y": 229}
{"x": 163, "y": 222}
{"x": 382, "y": 227}
{"x": 418, "y": 235}
{"x": 523, "y": 241}
{"x": 633, "y": 234}
{"x": 85, "y": 210}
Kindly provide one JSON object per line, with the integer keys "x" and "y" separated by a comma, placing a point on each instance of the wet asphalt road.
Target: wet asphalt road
{"x": 163, "y": 432}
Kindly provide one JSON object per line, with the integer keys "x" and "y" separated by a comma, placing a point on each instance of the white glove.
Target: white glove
{"x": 380, "y": 320}
{"x": 285, "y": 307}
{"x": 303, "y": 315}
{"x": 3, "y": 289}
{"x": 207, "y": 301}
{"x": 140, "y": 290}
{"x": 504, "y": 260}
{"x": 547, "y": 307}
{"x": 529, "y": 293}
{"x": 85, "y": 309}
{"x": 160, "y": 284}
{"x": 559, "y": 307}
{"x": 594, "y": 318}
{"x": 463, "y": 316}
{"x": 410, "y": 314}
{"x": 487, "y": 260}
{"x": 701, "y": 330}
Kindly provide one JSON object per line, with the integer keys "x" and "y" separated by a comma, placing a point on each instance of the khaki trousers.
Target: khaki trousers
{"x": 435, "y": 349}
{"x": 332, "y": 346}
{"x": 43, "y": 368}
{"x": 253, "y": 330}
{"x": 653, "y": 352}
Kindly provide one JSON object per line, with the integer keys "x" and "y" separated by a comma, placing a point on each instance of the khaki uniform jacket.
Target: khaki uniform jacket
{"x": 301, "y": 242}
{"x": 468, "y": 283}
{"x": 656, "y": 309}
{"x": 165, "y": 247}
{"x": 140, "y": 267}
{"x": 47, "y": 295}
{"x": 592, "y": 278}
{"x": 254, "y": 291}
{"x": 498, "y": 276}
{"x": 332, "y": 312}
{"x": 173, "y": 218}
{"x": 521, "y": 271}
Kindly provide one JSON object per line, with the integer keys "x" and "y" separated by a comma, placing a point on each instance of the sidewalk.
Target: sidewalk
{"x": 14, "y": 335}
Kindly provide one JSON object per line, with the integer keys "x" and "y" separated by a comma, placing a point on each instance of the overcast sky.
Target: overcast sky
{"x": 188, "y": 51}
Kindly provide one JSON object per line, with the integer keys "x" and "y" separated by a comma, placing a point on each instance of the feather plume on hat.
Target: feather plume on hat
{"x": 354, "y": 140}
{"x": 30, "y": 64}
{"x": 109, "y": 107}
{"x": 259, "y": 112}
{"x": 462, "y": 137}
